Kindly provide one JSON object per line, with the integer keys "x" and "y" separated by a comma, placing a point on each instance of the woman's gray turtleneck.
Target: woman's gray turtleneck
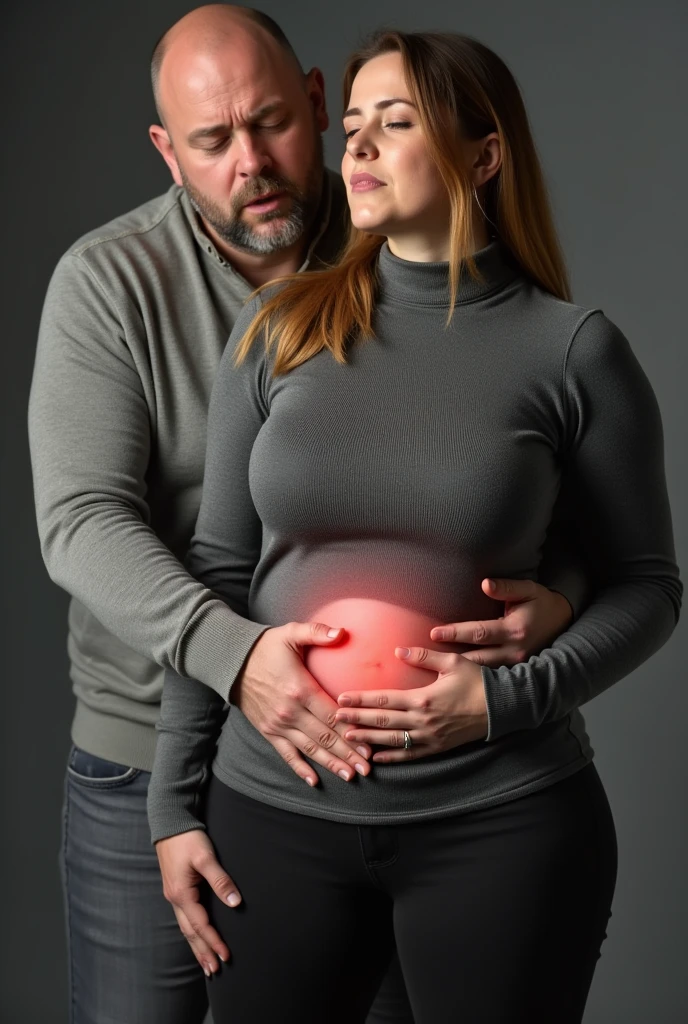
{"x": 428, "y": 462}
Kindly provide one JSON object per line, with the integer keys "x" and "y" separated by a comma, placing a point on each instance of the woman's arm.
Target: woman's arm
{"x": 615, "y": 483}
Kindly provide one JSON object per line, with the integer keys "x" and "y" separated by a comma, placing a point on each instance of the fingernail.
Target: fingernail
{"x": 438, "y": 634}
{"x": 342, "y": 718}
{"x": 345, "y": 702}
{"x": 310, "y": 781}
{"x": 222, "y": 958}
{"x": 234, "y": 899}
{"x": 491, "y": 584}
{"x": 362, "y": 751}
{"x": 402, "y": 652}
{"x": 206, "y": 971}
{"x": 359, "y": 768}
{"x": 343, "y": 775}
{"x": 332, "y": 633}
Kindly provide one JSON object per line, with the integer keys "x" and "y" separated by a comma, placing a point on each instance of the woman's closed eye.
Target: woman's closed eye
{"x": 390, "y": 124}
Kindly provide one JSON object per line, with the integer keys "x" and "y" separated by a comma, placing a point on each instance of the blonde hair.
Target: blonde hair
{"x": 461, "y": 89}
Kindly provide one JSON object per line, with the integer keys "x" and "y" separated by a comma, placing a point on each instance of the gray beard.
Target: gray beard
{"x": 242, "y": 236}
{"x": 237, "y": 233}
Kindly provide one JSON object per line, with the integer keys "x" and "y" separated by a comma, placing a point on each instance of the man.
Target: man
{"x": 134, "y": 324}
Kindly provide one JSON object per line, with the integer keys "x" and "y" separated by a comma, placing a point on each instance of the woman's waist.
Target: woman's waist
{"x": 364, "y": 658}
{"x": 464, "y": 778}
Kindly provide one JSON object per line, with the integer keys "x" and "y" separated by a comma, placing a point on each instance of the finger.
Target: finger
{"x": 340, "y": 727}
{"x": 320, "y": 724}
{"x": 390, "y": 700}
{"x": 313, "y": 634}
{"x": 326, "y": 747}
{"x": 200, "y": 949}
{"x": 383, "y": 737}
{"x": 397, "y": 756}
{"x": 510, "y": 590}
{"x": 220, "y": 882}
{"x": 288, "y": 752}
{"x": 204, "y": 940}
{"x": 376, "y": 718}
{"x": 490, "y": 631}
{"x": 492, "y": 657}
{"x": 423, "y": 657}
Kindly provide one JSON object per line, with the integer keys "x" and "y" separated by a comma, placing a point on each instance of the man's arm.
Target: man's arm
{"x": 90, "y": 438}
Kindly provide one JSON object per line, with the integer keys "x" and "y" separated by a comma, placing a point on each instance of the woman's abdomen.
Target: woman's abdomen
{"x": 365, "y": 659}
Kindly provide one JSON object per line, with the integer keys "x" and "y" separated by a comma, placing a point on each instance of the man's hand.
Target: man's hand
{"x": 185, "y": 860}
{"x": 533, "y": 617}
{"x": 283, "y": 701}
{"x": 444, "y": 714}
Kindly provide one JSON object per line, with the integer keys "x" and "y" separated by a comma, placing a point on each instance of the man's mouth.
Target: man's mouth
{"x": 266, "y": 203}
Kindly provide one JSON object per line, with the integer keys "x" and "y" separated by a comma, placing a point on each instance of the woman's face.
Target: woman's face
{"x": 393, "y": 185}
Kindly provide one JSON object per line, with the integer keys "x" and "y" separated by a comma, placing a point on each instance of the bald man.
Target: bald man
{"x": 135, "y": 320}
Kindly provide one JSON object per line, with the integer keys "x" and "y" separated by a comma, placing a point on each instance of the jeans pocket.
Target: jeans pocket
{"x": 89, "y": 770}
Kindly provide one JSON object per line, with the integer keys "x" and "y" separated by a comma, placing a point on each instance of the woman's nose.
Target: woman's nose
{"x": 361, "y": 146}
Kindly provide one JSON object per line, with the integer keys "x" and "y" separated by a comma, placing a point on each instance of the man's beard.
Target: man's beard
{"x": 240, "y": 234}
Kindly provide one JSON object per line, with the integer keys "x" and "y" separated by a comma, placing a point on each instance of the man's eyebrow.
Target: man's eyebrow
{"x": 381, "y": 105}
{"x": 216, "y": 129}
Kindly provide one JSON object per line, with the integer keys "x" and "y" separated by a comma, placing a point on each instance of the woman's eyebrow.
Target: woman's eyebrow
{"x": 380, "y": 105}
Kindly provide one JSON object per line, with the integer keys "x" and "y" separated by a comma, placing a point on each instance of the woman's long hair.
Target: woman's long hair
{"x": 461, "y": 89}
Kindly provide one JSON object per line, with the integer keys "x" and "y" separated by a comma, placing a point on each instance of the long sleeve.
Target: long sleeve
{"x": 563, "y": 567}
{"x": 91, "y": 444}
{"x": 223, "y": 555}
{"x": 614, "y": 477}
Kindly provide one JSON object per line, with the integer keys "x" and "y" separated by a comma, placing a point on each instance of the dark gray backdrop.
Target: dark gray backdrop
{"x": 605, "y": 85}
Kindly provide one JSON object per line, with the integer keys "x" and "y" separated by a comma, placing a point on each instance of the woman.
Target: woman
{"x": 403, "y": 435}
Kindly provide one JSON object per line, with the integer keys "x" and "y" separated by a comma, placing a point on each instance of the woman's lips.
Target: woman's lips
{"x": 364, "y": 182}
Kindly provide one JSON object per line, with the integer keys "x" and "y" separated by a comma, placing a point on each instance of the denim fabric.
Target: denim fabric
{"x": 128, "y": 961}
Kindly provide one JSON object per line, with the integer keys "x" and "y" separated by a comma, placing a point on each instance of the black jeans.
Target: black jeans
{"x": 498, "y": 914}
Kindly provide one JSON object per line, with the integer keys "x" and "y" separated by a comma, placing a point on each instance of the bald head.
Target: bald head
{"x": 241, "y": 127}
{"x": 206, "y": 30}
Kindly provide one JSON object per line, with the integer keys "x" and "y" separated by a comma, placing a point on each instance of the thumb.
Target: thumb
{"x": 510, "y": 590}
{"x": 315, "y": 634}
{"x": 217, "y": 878}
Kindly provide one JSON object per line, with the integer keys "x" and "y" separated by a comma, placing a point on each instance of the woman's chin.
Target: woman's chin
{"x": 365, "y": 659}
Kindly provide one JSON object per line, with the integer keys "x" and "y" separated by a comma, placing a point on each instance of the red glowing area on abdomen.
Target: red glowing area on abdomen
{"x": 365, "y": 660}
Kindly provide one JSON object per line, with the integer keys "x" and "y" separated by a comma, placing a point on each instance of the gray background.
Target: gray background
{"x": 605, "y": 86}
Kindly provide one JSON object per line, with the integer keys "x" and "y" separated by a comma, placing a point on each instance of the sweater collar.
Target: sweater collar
{"x": 427, "y": 284}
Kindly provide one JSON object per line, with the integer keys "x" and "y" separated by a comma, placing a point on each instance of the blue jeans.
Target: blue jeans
{"x": 128, "y": 961}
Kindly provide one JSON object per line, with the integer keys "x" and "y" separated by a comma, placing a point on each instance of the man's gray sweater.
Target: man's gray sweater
{"x": 134, "y": 324}
{"x": 432, "y": 459}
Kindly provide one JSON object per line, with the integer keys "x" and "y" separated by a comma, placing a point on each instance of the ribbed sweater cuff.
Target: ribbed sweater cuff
{"x": 171, "y": 819}
{"x": 508, "y": 700}
{"x": 217, "y": 645}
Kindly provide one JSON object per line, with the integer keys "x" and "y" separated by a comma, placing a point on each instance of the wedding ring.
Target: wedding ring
{"x": 408, "y": 742}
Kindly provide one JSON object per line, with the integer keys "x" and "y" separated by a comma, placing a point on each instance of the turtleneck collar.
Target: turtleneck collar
{"x": 427, "y": 284}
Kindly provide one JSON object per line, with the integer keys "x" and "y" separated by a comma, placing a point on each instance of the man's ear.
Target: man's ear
{"x": 315, "y": 88}
{"x": 161, "y": 141}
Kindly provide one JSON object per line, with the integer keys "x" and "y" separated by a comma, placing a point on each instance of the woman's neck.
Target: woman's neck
{"x": 425, "y": 248}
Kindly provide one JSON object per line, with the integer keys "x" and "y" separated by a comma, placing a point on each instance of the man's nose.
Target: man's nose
{"x": 253, "y": 158}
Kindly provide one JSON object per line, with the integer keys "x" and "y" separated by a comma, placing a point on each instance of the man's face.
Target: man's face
{"x": 244, "y": 130}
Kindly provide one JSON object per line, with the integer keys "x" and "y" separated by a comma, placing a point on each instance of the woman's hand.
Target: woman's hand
{"x": 186, "y": 860}
{"x": 533, "y": 617}
{"x": 446, "y": 713}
